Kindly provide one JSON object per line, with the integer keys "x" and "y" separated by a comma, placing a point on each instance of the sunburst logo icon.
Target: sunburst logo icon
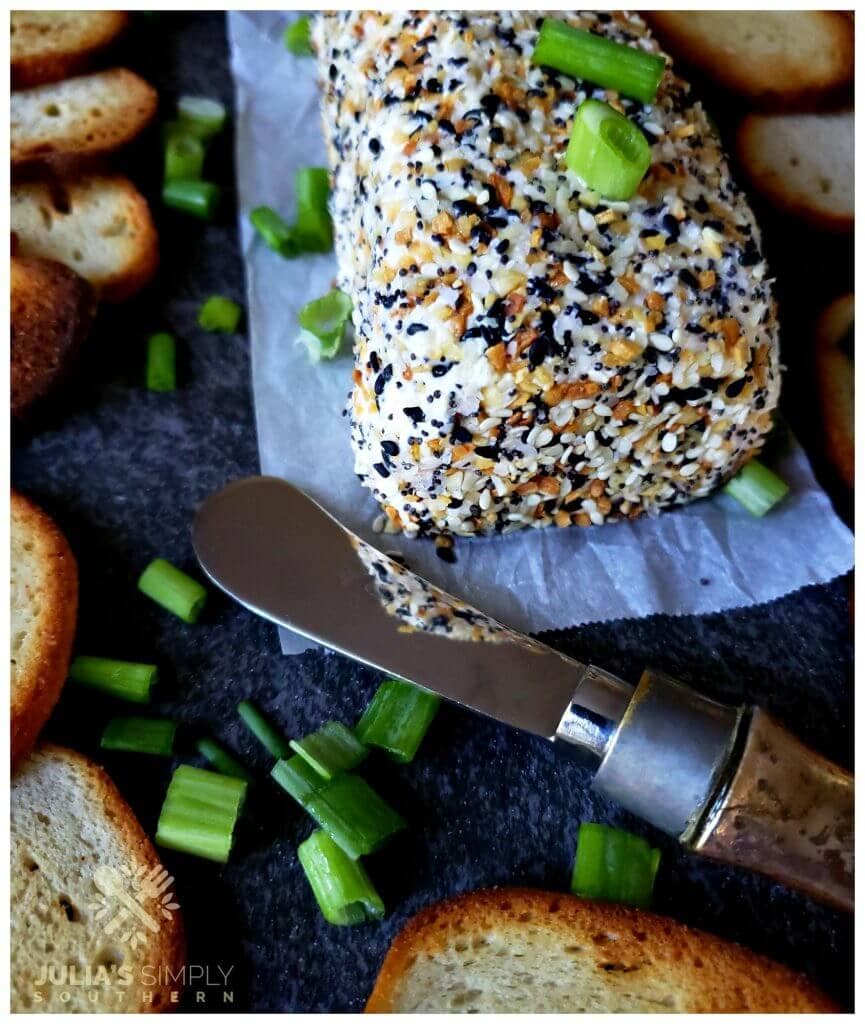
{"x": 133, "y": 901}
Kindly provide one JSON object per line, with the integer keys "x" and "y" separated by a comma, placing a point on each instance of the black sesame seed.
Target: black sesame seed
{"x": 381, "y": 469}
{"x": 390, "y": 447}
{"x": 735, "y": 389}
{"x": 416, "y": 328}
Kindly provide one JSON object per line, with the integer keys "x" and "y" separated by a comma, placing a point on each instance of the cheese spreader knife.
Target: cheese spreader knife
{"x": 729, "y": 783}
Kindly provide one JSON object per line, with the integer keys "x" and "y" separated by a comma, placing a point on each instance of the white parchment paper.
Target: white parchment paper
{"x": 707, "y": 557}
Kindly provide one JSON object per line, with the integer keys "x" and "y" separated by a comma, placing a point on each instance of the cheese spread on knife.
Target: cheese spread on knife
{"x": 527, "y": 353}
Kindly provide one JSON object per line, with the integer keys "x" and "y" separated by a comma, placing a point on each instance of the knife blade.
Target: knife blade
{"x": 730, "y": 783}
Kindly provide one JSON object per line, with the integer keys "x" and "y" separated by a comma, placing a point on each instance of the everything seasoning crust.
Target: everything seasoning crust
{"x": 527, "y": 354}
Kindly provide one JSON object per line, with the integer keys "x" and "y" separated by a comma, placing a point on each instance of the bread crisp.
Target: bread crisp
{"x": 49, "y": 45}
{"x": 835, "y": 375}
{"x": 52, "y": 308}
{"x": 99, "y": 225}
{"x": 44, "y": 603}
{"x": 527, "y": 951}
{"x": 81, "y": 117}
{"x": 777, "y": 59}
{"x": 74, "y": 844}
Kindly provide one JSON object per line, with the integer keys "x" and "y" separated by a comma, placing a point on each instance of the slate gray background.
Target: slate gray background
{"x": 122, "y": 471}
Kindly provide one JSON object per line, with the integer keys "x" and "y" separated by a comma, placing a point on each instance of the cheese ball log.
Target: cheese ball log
{"x": 526, "y": 353}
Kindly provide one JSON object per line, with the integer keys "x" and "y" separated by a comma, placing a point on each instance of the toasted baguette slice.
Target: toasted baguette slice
{"x": 527, "y": 951}
{"x": 777, "y": 59}
{"x": 802, "y": 163}
{"x": 77, "y": 853}
{"x": 98, "y": 225}
{"x": 49, "y": 45}
{"x": 51, "y": 311}
{"x": 43, "y": 598}
{"x": 81, "y": 117}
{"x": 835, "y": 374}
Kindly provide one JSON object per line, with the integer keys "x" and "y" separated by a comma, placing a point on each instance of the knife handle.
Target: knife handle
{"x": 785, "y": 812}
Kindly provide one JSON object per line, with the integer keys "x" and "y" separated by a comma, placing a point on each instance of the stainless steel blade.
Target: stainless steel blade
{"x": 280, "y": 554}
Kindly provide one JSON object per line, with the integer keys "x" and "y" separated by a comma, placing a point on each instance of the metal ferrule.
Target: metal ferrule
{"x": 591, "y": 719}
{"x": 668, "y": 755}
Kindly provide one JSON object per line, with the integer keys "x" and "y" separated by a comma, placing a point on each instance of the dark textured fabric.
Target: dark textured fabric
{"x": 122, "y": 470}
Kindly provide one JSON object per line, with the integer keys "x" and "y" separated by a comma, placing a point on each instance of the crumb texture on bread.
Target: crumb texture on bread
{"x": 774, "y": 58}
{"x": 79, "y": 117}
{"x": 835, "y": 375}
{"x": 49, "y": 45}
{"x": 803, "y": 163}
{"x": 51, "y": 309}
{"x": 73, "y": 838}
{"x": 527, "y": 951}
{"x": 43, "y": 603}
{"x": 99, "y": 225}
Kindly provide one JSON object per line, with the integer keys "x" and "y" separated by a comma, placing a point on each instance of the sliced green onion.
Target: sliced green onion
{"x": 354, "y": 815}
{"x": 313, "y": 230}
{"x": 584, "y": 55}
{"x": 297, "y": 37}
{"x": 200, "y": 811}
{"x": 609, "y": 152}
{"x": 128, "y": 680}
{"x": 140, "y": 735}
{"x": 341, "y": 886}
{"x": 161, "y": 362}
{"x": 266, "y": 733}
{"x": 323, "y": 323}
{"x": 204, "y": 116}
{"x": 274, "y": 231}
{"x": 332, "y": 750}
{"x": 219, "y": 314}
{"x": 184, "y": 157}
{"x": 397, "y": 718}
{"x": 298, "y": 778}
{"x": 221, "y": 760}
{"x": 173, "y": 589}
{"x": 200, "y": 198}
{"x": 757, "y": 488}
{"x": 614, "y": 865}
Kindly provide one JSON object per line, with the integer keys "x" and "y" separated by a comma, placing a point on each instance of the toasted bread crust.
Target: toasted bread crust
{"x": 35, "y": 63}
{"x": 791, "y": 83}
{"x": 38, "y": 681}
{"x": 835, "y": 372}
{"x": 168, "y": 951}
{"x": 52, "y": 309}
{"x": 84, "y": 136}
{"x": 742, "y": 981}
{"x": 774, "y": 185}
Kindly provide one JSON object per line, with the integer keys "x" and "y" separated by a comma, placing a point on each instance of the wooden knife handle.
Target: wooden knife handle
{"x": 786, "y": 812}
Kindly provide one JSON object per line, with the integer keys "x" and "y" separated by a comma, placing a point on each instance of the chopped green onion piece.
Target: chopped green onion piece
{"x": 161, "y": 362}
{"x": 297, "y": 38}
{"x": 313, "y": 230}
{"x": 278, "y": 235}
{"x": 332, "y": 750}
{"x": 354, "y": 815}
{"x": 397, "y": 718}
{"x": 584, "y": 55}
{"x": 266, "y": 733}
{"x": 221, "y": 760}
{"x": 323, "y": 323}
{"x": 608, "y": 151}
{"x": 200, "y": 811}
{"x": 140, "y": 735}
{"x": 184, "y": 157}
{"x": 614, "y": 865}
{"x": 757, "y": 488}
{"x": 173, "y": 589}
{"x": 200, "y": 198}
{"x": 204, "y": 116}
{"x": 298, "y": 778}
{"x": 219, "y": 314}
{"x": 341, "y": 886}
{"x": 128, "y": 680}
